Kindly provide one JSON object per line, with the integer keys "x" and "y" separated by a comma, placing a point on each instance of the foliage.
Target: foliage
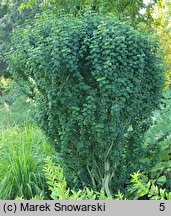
{"x": 4, "y": 86}
{"x": 14, "y": 110}
{"x": 37, "y": 197}
{"x": 138, "y": 188}
{"x": 10, "y": 17}
{"x": 159, "y": 135}
{"x": 137, "y": 11}
{"x": 162, "y": 27}
{"x": 141, "y": 188}
{"x": 21, "y": 162}
{"x": 59, "y": 190}
{"x": 153, "y": 15}
{"x": 94, "y": 103}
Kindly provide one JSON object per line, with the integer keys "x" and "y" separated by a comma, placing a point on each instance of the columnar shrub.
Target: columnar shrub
{"x": 95, "y": 81}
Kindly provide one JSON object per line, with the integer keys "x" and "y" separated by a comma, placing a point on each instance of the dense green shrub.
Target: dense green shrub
{"x": 95, "y": 81}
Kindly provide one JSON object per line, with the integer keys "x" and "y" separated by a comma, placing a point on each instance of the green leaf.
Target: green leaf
{"x": 161, "y": 180}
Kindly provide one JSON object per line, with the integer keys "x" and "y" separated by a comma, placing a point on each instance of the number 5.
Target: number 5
{"x": 162, "y": 206}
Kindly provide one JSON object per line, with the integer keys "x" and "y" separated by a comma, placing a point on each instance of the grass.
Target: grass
{"x": 22, "y": 160}
{"x": 23, "y": 148}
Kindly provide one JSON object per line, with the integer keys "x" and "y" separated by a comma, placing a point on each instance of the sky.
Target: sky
{"x": 147, "y": 1}
{"x": 143, "y": 10}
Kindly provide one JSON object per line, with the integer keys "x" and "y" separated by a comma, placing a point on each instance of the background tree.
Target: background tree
{"x": 162, "y": 27}
{"x": 10, "y": 17}
{"x": 134, "y": 10}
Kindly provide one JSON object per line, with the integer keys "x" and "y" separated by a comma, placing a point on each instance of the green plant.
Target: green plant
{"x": 16, "y": 113}
{"x": 21, "y": 162}
{"x": 60, "y": 191}
{"x": 123, "y": 9}
{"x": 141, "y": 188}
{"x": 159, "y": 135}
{"x": 95, "y": 82}
{"x": 37, "y": 197}
{"x": 138, "y": 188}
{"x": 15, "y": 108}
{"x": 4, "y": 86}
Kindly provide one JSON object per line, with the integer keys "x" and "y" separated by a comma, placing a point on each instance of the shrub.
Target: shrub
{"x": 141, "y": 188}
{"x": 159, "y": 135}
{"x": 21, "y": 162}
{"x": 95, "y": 81}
